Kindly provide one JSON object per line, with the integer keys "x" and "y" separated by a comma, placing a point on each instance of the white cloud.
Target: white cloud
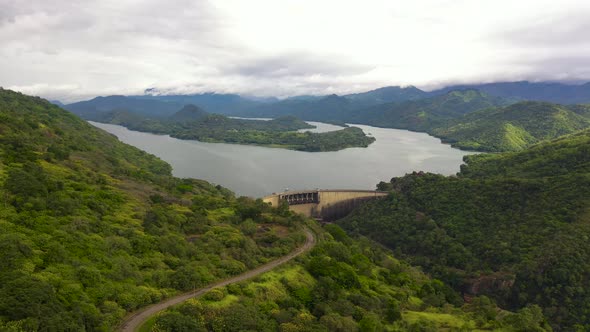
{"x": 76, "y": 49}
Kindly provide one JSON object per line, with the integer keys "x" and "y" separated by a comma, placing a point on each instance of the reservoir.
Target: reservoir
{"x": 257, "y": 171}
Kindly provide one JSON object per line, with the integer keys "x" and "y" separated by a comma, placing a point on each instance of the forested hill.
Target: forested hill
{"x": 446, "y": 113}
{"x": 325, "y": 108}
{"x": 191, "y": 122}
{"x": 91, "y": 228}
{"x": 472, "y": 120}
{"x": 425, "y": 114}
{"x": 334, "y": 108}
{"x": 145, "y": 107}
{"x": 228, "y": 104}
{"x": 539, "y": 91}
{"x": 387, "y": 94}
{"x": 188, "y": 113}
{"x": 513, "y": 127}
{"x": 513, "y": 226}
{"x": 154, "y": 104}
{"x": 343, "y": 284}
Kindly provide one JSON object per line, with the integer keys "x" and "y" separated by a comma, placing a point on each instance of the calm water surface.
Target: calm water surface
{"x": 258, "y": 171}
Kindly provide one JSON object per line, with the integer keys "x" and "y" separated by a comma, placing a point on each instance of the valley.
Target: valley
{"x": 294, "y": 166}
{"x": 484, "y": 232}
{"x": 149, "y": 233}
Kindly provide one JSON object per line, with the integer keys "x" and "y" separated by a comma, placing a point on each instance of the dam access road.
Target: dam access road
{"x": 136, "y": 319}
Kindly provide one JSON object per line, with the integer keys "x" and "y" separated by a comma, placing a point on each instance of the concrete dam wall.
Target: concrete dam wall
{"x": 327, "y": 205}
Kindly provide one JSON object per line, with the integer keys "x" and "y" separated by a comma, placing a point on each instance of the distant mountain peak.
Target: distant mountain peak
{"x": 467, "y": 93}
{"x": 554, "y": 92}
{"x": 189, "y": 112}
{"x": 388, "y": 94}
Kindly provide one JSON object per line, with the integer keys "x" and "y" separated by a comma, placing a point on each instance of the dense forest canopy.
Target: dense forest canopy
{"x": 343, "y": 285}
{"x": 511, "y": 226}
{"x": 91, "y": 228}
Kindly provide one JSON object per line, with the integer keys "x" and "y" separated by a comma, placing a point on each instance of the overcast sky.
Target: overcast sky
{"x": 71, "y": 50}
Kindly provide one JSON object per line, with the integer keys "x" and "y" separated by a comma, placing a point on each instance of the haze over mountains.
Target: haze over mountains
{"x": 307, "y": 106}
{"x": 470, "y": 117}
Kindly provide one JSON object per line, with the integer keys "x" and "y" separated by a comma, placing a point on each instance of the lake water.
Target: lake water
{"x": 258, "y": 171}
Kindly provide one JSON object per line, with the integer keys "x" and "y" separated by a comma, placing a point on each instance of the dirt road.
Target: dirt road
{"x": 136, "y": 319}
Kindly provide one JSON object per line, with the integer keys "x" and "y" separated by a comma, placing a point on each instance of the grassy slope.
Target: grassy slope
{"x": 512, "y": 128}
{"x": 513, "y": 226}
{"x": 91, "y": 228}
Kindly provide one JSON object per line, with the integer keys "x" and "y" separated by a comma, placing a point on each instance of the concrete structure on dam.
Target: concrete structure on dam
{"x": 327, "y": 205}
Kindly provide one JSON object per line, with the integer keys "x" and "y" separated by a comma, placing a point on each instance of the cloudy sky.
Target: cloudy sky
{"x": 76, "y": 49}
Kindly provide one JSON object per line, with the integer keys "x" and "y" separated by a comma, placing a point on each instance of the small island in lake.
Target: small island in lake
{"x": 193, "y": 123}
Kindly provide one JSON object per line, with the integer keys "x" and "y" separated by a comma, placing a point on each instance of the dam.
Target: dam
{"x": 323, "y": 204}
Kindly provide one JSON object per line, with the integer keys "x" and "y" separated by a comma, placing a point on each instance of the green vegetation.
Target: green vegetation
{"x": 468, "y": 119}
{"x": 193, "y": 123}
{"x": 512, "y": 226}
{"x": 471, "y": 117}
{"x": 415, "y": 111}
{"x": 425, "y": 114}
{"x": 342, "y": 285}
{"x": 472, "y": 120}
{"x": 334, "y": 108}
{"x": 514, "y": 127}
{"x": 91, "y": 228}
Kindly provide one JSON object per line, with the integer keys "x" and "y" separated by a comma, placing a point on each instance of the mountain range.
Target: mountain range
{"x": 395, "y": 107}
{"x": 468, "y": 117}
{"x": 92, "y": 230}
{"x": 306, "y": 107}
{"x": 541, "y": 91}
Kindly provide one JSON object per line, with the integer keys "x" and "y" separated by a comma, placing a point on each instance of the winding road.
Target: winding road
{"x": 133, "y": 321}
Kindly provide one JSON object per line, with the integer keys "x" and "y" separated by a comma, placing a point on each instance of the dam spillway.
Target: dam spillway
{"x": 323, "y": 204}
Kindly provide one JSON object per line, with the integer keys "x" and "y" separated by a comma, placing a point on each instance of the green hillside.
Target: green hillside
{"x": 468, "y": 119}
{"x": 387, "y": 94}
{"x": 91, "y": 228}
{"x": 343, "y": 285}
{"x": 514, "y": 127}
{"x": 334, "y": 108}
{"x": 188, "y": 113}
{"x": 424, "y": 114}
{"x": 512, "y": 226}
